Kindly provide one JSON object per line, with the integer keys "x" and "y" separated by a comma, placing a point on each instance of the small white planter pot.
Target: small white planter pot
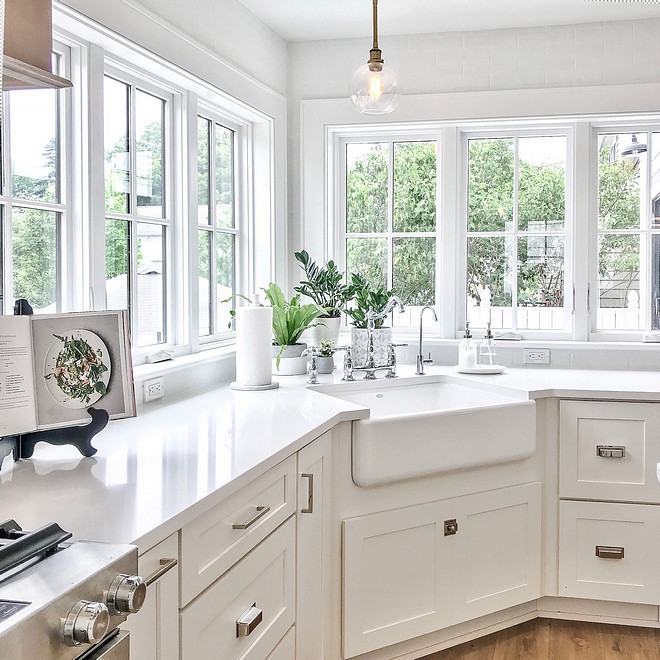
{"x": 291, "y": 362}
{"x": 327, "y": 328}
{"x": 359, "y": 346}
{"x": 325, "y": 365}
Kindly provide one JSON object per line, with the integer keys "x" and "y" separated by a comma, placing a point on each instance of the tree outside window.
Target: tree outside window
{"x": 390, "y": 230}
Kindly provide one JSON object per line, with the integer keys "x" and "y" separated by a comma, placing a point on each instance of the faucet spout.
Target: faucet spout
{"x": 420, "y": 356}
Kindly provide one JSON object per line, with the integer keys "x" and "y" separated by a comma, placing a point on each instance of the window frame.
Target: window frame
{"x": 63, "y": 208}
{"x": 337, "y": 231}
{"x": 645, "y": 231}
{"x": 517, "y": 130}
{"x": 137, "y": 81}
{"x": 242, "y": 213}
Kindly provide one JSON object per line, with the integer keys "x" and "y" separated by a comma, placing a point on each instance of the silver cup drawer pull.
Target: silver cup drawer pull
{"x": 261, "y": 511}
{"x": 609, "y": 552}
{"x": 610, "y": 451}
{"x": 248, "y": 621}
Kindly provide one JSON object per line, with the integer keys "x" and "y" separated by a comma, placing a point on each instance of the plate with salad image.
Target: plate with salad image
{"x": 77, "y": 368}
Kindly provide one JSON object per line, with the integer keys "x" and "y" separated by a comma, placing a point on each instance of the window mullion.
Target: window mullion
{"x": 514, "y": 235}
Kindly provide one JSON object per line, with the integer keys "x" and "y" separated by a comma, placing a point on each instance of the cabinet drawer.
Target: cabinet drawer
{"x": 264, "y": 578}
{"x": 609, "y": 451}
{"x": 216, "y": 540}
{"x": 286, "y": 649}
{"x": 609, "y": 551}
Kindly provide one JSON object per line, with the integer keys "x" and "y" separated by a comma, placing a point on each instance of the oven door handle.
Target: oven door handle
{"x": 165, "y": 565}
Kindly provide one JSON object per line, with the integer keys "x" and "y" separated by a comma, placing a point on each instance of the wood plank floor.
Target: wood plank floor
{"x": 554, "y": 639}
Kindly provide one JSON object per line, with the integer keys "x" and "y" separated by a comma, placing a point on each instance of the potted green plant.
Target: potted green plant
{"x": 326, "y": 287}
{"x": 290, "y": 320}
{"x": 368, "y": 297}
{"x": 325, "y": 362}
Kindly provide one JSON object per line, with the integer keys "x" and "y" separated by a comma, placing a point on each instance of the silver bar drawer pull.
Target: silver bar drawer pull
{"x": 261, "y": 511}
{"x": 248, "y": 621}
{"x": 310, "y": 493}
{"x": 610, "y": 451}
{"x": 609, "y": 552}
{"x": 165, "y": 565}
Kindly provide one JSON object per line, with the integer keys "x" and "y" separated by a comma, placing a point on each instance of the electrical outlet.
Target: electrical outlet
{"x": 537, "y": 356}
{"x": 153, "y": 389}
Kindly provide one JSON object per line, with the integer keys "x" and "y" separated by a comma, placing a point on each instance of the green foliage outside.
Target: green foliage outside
{"x": 414, "y": 210}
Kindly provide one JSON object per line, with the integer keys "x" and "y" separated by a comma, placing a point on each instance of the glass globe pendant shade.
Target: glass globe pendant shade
{"x": 374, "y": 89}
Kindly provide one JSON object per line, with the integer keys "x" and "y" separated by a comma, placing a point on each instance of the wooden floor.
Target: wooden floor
{"x": 553, "y": 639}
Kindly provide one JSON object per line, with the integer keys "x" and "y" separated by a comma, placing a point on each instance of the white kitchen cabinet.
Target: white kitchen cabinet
{"x": 217, "y": 539}
{"x": 260, "y": 589}
{"x": 313, "y": 549}
{"x": 155, "y": 628}
{"x": 417, "y": 569}
{"x": 286, "y": 649}
{"x": 610, "y": 451}
{"x": 609, "y": 551}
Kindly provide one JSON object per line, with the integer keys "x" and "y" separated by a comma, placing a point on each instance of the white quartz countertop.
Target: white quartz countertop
{"x": 154, "y": 473}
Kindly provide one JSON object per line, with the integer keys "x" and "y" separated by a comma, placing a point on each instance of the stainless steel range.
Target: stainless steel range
{"x": 62, "y": 600}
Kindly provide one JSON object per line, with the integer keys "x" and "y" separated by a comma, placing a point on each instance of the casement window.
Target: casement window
{"x": 218, "y": 224}
{"x": 628, "y": 231}
{"x": 389, "y": 229}
{"x": 138, "y": 212}
{"x": 33, "y": 204}
{"x": 517, "y": 233}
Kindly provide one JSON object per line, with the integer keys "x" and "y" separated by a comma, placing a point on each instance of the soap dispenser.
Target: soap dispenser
{"x": 467, "y": 351}
{"x": 487, "y": 350}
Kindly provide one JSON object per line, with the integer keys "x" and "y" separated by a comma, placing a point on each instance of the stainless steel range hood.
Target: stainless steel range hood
{"x": 27, "y": 46}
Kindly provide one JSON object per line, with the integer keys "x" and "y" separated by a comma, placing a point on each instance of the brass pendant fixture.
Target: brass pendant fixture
{"x": 374, "y": 89}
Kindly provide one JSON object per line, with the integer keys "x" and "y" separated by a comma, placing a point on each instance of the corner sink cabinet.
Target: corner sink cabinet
{"x": 322, "y": 568}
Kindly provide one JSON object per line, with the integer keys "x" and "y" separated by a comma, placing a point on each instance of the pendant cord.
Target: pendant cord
{"x": 375, "y": 26}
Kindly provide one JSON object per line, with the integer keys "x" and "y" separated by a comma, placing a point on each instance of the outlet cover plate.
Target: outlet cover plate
{"x": 537, "y": 356}
{"x": 153, "y": 389}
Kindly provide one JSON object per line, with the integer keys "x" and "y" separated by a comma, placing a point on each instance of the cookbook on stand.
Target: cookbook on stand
{"x": 55, "y": 366}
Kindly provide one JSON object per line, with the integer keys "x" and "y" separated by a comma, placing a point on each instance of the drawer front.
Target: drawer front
{"x": 264, "y": 579}
{"x": 286, "y": 649}
{"x": 609, "y": 551}
{"x": 610, "y": 451}
{"x": 216, "y": 540}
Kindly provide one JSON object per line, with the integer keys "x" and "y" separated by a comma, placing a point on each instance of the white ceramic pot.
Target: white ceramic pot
{"x": 382, "y": 340}
{"x": 328, "y": 328}
{"x": 292, "y": 363}
{"x": 325, "y": 365}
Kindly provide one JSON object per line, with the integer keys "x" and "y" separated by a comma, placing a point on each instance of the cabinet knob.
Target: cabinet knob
{"x": 451, "y": 527}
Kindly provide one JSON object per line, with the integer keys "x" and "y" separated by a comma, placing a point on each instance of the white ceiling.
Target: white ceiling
{"x": 303, "y": 20}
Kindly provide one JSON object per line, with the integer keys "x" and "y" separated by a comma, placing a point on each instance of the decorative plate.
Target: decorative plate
{"x": 77, "y": 368}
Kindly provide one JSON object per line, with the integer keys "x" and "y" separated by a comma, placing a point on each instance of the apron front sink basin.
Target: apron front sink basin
{"x": 420, "y": 428}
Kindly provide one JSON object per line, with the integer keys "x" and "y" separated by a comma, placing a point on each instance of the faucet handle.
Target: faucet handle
{"x": 428, "y": 360}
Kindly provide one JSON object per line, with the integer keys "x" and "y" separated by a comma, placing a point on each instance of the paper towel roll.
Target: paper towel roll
{"x": 253, "y": 346}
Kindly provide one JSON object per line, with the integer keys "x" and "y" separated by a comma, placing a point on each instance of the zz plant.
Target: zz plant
{"x": 324, "y": 285}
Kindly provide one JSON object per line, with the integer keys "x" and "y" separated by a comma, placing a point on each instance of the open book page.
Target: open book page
{"x": 81, "y": 360}
{"x": 17, "y": 406}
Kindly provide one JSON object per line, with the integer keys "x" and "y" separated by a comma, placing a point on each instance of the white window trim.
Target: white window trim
{"x": 321, "y": 119}
{"x": 517, "y": 131}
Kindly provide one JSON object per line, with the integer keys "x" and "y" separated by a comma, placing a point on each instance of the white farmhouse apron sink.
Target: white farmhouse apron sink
{"x": 426, "y": 426}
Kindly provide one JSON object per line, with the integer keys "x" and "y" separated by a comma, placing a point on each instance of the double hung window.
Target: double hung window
{"x": 516, "y": 232}
{"x": 139, "y": 222}
{"x": 33, "y": 208}
{"x": 628, "y": 230}
{"x": 390, "y": 229}
{"x": 218, "y": 224}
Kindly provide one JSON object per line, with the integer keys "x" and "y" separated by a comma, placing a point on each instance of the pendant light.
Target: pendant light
{"x": 374, "y": 87}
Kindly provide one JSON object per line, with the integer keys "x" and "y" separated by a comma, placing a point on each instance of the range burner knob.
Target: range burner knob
{"x": 126, "y": 594}
{"x": 86, "y": 623}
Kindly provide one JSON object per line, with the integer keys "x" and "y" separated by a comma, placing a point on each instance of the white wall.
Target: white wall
{"x": 598, "y": 54}
{"x": 225, "y": 27}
